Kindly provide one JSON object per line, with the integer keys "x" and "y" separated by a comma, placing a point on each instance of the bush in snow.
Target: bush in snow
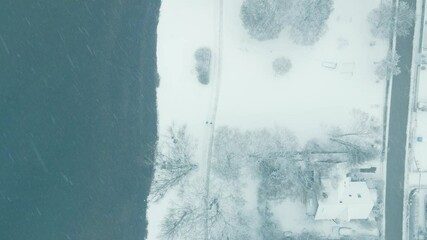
{"x": 264, "y": 19}
{"x": 203, "y": 61}
{"x": 308, "y": 20}
{"x": 281, "y": 65}
{"x": 389, "y": 65}
{"x": 382, "y": 19}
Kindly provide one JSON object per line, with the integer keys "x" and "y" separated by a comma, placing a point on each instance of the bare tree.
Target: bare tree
{"x": 299, "y": 177}
{"x": 383, "y": 18}
{"x": 226, "y": 219}
{"x": 359, "y": 143}
{"x": 362, "y": 142}
{"x": 357, "y": 150}
{"x": 183, "y": 221}
{"x": 173, "y": 162}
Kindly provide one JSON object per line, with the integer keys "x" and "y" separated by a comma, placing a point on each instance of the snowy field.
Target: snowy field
{"x": 306, "y": 100}
{"x": 309, "y": 96}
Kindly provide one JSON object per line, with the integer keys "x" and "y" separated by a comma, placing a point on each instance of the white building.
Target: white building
{"x": 346, "y": 201}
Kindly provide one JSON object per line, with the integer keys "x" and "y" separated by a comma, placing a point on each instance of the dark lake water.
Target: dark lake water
{"x": 78, "y": 118}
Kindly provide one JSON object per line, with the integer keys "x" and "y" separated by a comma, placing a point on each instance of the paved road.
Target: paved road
{"x": 397, "y": 139}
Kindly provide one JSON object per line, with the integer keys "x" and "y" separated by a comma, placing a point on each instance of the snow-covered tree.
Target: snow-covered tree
{"x": 281, "y": 65}
{"x": 173, "y": 162}
{"x": 389, "y": 65}
{"x": 278, "y": 163}
{"x": 203, "y": 62}
{"x": 230, "y": 150}
{"x": 382, "y": 19}
{"x": 273, "y": 154}
{"x": 308, "y": 20}
{"x": 264, "y": 19}
{"x": 299, "y": 178}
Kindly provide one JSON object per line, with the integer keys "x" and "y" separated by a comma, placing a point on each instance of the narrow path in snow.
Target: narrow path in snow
{"x": 211, "y": 116}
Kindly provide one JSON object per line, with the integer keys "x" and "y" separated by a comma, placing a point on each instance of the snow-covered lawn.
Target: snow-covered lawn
{"x": 306, "y": 100}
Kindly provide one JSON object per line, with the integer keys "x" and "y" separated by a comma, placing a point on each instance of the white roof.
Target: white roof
{"x": 347, "y": 201}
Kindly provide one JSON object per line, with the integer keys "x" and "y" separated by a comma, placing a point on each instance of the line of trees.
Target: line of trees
{"x": 305, "y": 20}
